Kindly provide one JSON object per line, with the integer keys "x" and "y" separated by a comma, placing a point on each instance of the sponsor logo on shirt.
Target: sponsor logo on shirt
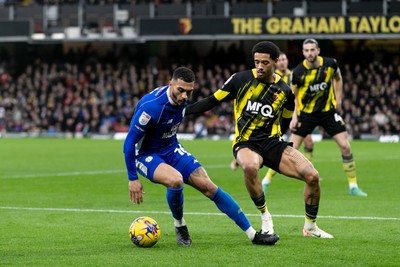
{"x": 256, "y": 107}
{"x": 172, "y": 132}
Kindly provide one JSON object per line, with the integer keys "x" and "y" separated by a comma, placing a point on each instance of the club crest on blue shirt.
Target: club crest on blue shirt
{"x": 144, "y": 118}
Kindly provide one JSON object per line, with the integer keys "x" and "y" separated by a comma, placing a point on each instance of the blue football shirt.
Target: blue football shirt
{"x": 153, "y": 128}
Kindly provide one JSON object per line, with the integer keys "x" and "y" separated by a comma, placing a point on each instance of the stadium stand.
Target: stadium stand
{"x": 87, "y": 91}
{"x": 84, "y": 93}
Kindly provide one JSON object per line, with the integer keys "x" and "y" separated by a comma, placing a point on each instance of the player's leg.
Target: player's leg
{"x": 225, "y": 203}
{"x": 173, "y": 180}
{"x": 267, "y": 179}
{"x": 158, "y": 171}
{"x": 250, "y": 162}
{"x": 335, "y": 127}
{"x": 308, "y": 147}
{"x": 349, "y": 164}
{"x": 296, "y": 140}
{"x": 294, "y": 164}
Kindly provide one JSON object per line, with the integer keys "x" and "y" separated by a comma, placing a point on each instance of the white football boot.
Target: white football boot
{"x": 312, "y": 230}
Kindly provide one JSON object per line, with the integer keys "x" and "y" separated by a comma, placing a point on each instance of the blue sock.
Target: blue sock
{"x": 227, "y": 205}
{"x": 175, "y": 202}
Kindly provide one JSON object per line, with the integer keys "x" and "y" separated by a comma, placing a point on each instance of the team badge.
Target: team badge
{"x": 144, "y": 118}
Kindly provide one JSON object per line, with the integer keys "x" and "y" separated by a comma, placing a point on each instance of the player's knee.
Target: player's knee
{"x": 345, "y": 148}
{"x": 250, "y": 169}
{"x": 312, "y": 177}
{"x": 175, "y": 182}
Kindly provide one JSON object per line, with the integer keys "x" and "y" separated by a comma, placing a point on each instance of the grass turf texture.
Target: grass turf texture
{"x": 65, "y": 203}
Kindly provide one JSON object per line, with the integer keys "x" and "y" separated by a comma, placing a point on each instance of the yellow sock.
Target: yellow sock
{"x": 349, "y": 167}
{"x": 308, "y": 153}
{"x": 270, "y": 173}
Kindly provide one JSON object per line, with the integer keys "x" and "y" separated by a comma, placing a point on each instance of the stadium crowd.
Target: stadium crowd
{"x": 85, "y": 93}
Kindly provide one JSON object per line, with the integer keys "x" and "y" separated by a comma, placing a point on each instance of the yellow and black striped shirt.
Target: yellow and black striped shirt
{"x": 285, "y": 77}
{"x": 315, "y": 86}
{"x": 258, "y": 107}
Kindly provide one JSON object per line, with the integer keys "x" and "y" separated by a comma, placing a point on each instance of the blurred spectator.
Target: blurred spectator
{"x": 83, "y": 93}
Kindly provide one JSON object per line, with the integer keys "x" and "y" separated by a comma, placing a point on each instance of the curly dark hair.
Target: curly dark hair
{"x": 267, "y": 47}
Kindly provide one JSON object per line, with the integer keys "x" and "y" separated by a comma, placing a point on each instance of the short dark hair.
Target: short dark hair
{"x": 311, "y": 41}
{"x": 267, "y": 47}
{"x": 183, "y": 73}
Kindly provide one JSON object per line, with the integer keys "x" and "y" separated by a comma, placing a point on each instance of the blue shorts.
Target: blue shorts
{"x": 177, "y": 157}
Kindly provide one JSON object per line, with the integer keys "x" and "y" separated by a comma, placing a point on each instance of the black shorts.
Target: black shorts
{"x": 330, "y": 121}
{"x": 270, "y": 150}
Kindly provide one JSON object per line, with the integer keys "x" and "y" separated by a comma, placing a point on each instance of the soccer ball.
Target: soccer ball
{"x": 144, "y": 232}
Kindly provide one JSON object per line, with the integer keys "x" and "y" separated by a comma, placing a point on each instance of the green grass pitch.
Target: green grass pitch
{"x": 65, "y": 202}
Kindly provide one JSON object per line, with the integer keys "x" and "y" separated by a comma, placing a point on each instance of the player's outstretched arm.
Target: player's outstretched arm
{"x": 202, "y": 105}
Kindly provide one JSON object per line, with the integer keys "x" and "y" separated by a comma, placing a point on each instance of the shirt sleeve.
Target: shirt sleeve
{"x": 221, "y": 95}
{"x": 141, "y": 121}
{"x": 202, "y": 105}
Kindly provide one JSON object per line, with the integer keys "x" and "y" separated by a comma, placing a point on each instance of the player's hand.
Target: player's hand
{"x": 136, "y": 192}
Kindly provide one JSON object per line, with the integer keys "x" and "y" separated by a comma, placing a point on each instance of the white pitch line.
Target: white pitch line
{"x": 216, "y": 166}
{"x": 39, "y": 175}
{"x": 196, "y": 213}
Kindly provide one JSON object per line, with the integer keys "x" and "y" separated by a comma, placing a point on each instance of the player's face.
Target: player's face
{"x": 310, "y": 52}
{"x": 265, "y": 67}
{"x": 181, "y": 91}
{"x": 282, "y": 63}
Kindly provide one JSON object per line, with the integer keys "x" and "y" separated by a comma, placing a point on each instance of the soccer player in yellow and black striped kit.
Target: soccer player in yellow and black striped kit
{"x": 317, "y": 85}
{"x": 283, "y": 71}
{"x": 263, "y": 107}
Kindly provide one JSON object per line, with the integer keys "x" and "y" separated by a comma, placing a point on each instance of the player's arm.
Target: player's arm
{"x": 287, "y": 112}
{"x": 203, "y": 105}
{"x": 293, "y": 122}
{"x": 215, "y": 99}
{"x": 208, "y": 103}
{"x": 140, "y": 122}
{"x": 338, "y": 88}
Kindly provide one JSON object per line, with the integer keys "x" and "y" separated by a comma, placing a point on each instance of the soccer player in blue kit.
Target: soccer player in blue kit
{"x": 152, "y": 149}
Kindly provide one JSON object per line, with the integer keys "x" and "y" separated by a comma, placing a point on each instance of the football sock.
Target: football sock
{"x": 311, "y": 212}
{"x": 349, "y": 167}
{"x": 228, "y": 205}
{"x": 179, "y": 223}
{"x": 175, "y": 202}
{"x": 308, "y": 153}
{"x": 250, "y": 233}
{"x": 260, "y": 203}
{"x": 268, "y": 176}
